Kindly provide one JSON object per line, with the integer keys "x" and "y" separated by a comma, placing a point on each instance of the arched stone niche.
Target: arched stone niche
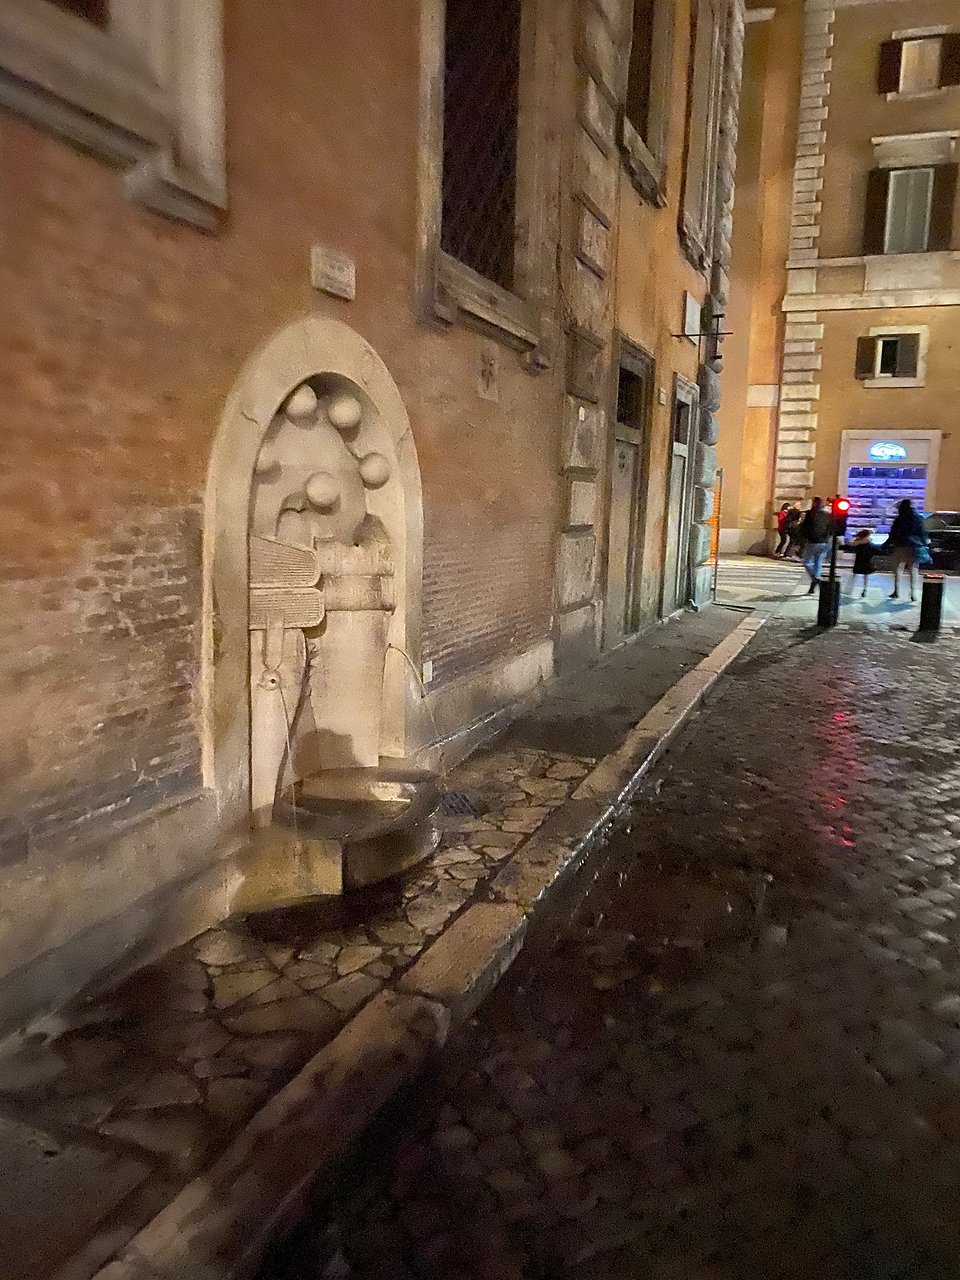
{"x": 313, "y": 376}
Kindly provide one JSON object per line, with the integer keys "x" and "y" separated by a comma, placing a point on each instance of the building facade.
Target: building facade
{"x": 258, "y": 261}
{"x": 843, "y": 369}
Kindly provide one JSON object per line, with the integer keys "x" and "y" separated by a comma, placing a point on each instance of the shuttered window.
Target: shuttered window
{"x": 909, "y": 196}
{"x": 703, "y": 107}
{"x": 643, "y": 126}
{"x": 637, "y": 108}
{"x": 910, "y": 210}
{"x": 919, "y": 65}
{"x": 888, "y": 356}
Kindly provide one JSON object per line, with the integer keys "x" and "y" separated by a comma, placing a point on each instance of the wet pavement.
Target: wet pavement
{"x": 742, "y": 1055}
{"x": 108, "y": 1109}
{"x": 762, "y": 581}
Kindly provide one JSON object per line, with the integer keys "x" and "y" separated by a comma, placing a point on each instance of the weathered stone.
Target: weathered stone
{"x": 229, "y": 988}
{"x": 207, "y": 1041}
{"x": 430, "y": 917}
{"x": 468, "y": 960}
{"x": 52, "y": 1175}
{"x": 181, "y": 1137}
{"x": 349, "y": 992}
{"x": 499, "y": 840}
{"x": 168, "y": 1089}
{"x": 231, "y": 1100}
{"x": 352, "y": 958}
{"x": 526, "y": 813}
{"x": 221, "y": 948}
{"x": 300, "y": 1014}
{"x": 270, "y": 1052}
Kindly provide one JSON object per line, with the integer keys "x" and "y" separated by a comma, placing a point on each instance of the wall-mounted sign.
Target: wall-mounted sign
{"x": 692, "y": 318}
{"x": 887, "y": 451}
{"x": 332, "y": 272}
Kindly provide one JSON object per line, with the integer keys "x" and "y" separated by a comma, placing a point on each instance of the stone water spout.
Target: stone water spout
{"x": 322, "y": 590}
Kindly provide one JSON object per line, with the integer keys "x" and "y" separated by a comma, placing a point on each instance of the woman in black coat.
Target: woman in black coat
{"x": 908, "y": 534}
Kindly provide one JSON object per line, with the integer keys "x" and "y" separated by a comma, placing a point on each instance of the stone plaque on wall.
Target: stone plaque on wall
{"x": 333, "y": 272}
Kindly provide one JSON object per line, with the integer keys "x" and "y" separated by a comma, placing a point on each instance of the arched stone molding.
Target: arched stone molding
{"x": 311, "y": 348}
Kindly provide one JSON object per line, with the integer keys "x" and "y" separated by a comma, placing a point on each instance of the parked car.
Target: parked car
{"x": 944, "y": 530}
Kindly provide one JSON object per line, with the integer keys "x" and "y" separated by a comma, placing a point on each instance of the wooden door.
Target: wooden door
{"x": 626, "y": 495}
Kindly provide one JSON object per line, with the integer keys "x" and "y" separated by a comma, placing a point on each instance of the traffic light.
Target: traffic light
{"x": 840, "y": 511}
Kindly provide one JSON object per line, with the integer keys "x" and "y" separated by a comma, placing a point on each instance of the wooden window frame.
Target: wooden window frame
{"x": 645, "y": 157}
{"x": 703, "y": 103}
{"x": 449, "y": 291}
{"x": 868, "y": 357}
{"x": 145, "y": 94}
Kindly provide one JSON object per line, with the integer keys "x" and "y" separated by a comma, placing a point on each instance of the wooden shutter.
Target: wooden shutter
{"x": 908, "y": 355}
{"x": 941, "y": 207}
{"x": 950, "y": 59}
{"x": 875, "y": 212}
{"x": 888, "y": 66}
{"x": 866, "y": 358}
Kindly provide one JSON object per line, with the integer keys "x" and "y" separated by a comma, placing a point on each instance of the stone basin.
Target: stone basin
{"x": 337, "y": 830}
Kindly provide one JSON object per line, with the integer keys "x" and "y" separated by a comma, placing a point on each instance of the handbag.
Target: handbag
{"x": 924, "y": 558}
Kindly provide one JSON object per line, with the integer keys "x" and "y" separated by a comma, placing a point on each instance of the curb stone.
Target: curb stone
{"x": 219, "y": 1225}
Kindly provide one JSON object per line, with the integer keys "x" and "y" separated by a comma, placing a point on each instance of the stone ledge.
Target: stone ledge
{"x": 468, "y": 959}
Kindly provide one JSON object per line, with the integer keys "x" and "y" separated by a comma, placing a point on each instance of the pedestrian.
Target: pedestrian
{"x": 782, "y": 534}
{"x": 794, "y": 522}
{"x": 816, "y": 531}
{"x": 907, "y": 544}
{"x": 862, "y": 560}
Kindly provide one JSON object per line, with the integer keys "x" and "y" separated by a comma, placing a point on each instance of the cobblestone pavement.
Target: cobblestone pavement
{"x": 136, "y": 1091}
{"x": 742, "y": 1056}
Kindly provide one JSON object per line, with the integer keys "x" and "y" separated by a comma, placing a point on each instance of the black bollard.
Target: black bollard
{"x": 931, "y": 602}
{"x": 828, "y": 606}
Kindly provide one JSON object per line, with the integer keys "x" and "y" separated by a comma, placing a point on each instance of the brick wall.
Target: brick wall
{"x": 99, "y": 691}
{"x": 476, "y": 608}
{"x": 122, "y": 335}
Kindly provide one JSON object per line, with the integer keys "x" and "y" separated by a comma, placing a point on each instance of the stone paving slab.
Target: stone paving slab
{"x": 169, "y": 1068}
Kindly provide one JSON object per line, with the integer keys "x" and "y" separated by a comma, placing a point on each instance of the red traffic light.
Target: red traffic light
{"x": 841, "y": 506}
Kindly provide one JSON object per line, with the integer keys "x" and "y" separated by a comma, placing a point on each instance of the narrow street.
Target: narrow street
{"x": 742, "y": 1057}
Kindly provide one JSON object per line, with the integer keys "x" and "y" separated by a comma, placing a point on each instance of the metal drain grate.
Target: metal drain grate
{"x": 463, "y": 804}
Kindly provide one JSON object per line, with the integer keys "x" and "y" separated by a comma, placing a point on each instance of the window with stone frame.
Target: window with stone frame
{"x": 910, "y": 209}
{"x": 919, "y": 64}
{"x": 137, "y": 82}
{"x": 645, "y": 116}
{"x": 481, "y": 86}
{"x": 889, "y": 356}
{"x": 488, "y": 158}
{"x": 705, "y": 74}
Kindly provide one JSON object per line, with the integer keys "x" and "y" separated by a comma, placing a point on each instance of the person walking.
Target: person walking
{"x": 816, "y": 531}
{"x": 793, "y": 522}
{"x": 907, "y": 544}
{"x": 782, "y": 533}
{"x": 862, "y": 560}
